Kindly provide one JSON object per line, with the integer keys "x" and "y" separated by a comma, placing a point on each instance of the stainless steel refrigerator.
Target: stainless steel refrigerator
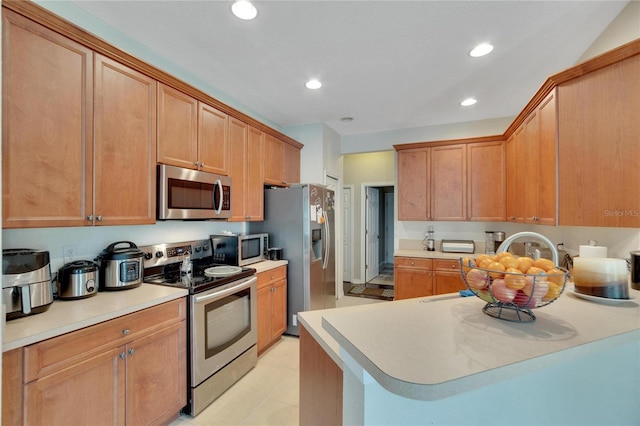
{"x": 301, "y": 220}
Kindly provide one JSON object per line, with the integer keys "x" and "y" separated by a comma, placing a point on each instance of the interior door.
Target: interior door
{"x": 372, "y": 233}
{"x": 346, "y": 237}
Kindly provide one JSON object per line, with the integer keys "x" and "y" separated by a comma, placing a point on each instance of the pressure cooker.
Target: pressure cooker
{"x": 78, "y": 280}
{"x": 121, "y": 267}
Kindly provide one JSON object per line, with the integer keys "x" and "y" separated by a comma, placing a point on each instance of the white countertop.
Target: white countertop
{"x": 265, "y": 265}
{"x": 432, "y": 254}
{"x": 64, "y": 316}
{"x": 431, "y": 348}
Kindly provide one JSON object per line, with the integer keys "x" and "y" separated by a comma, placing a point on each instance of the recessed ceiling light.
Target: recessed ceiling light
{"x": 313, "y": 84}
{"x": 244, "y": 10}
{"x": 468, "y": 102}
{"x": 346, "y": 119}
{"x": 481, "y": 50}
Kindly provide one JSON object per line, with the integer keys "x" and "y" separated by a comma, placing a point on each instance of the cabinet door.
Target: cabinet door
{"x": 547, "y": 161}
{"x": 47, "y": 127}
{"x": 237, "y": 168}
{"x": 177, "y": 128}
{"x": 448, "y": 182}
{"x": 125, "y": 145}
{"x": 89, "y": 391}
{"x": 279, "y": 313}
{"x": 291, "y": 163}
{"x": 413, "y": 278}
{"x": 213, "y": 140}
{"x": 486, "y": 188}
{"x": 516, "y": 174}
{"x": 254, "y": 193}
{"x": 273, "y": 161}
{"x": 156, "y": 376}
{"x": 447, "y": 282}
{"x": 12, "y": 388}
{"x": 531, "y": 134}
{"x": 264, "y": 317}
{"x": 413, "y": 184}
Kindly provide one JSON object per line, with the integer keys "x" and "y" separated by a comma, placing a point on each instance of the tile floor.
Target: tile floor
{"x": 268, "y": 394}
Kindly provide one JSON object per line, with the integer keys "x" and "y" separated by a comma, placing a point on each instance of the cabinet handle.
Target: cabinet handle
{"x": 90, "y": 218}
{"x": 123, "y": 355}
{"x": 131, "y": 351}
{"x": 99, "y": 218}
{"x": 126, "y": 331}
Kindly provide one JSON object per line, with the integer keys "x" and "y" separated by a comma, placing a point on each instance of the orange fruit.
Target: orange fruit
{"x": 484, "y": 264}
{"x": 534, "y": 270}
{"x": 497, "y": 269}
{"x": 467, "y": 264}
{"x": 524, "y": 263}
{"x": 503, "y": 254}
{"x": 480, "y": 258}
{"x": 509, "y": 262}
{"x": 544, "y": 264}
{"x": 556, "y": 276}
{"x": 553, "y": 292}
{"x": 514, "y": 279}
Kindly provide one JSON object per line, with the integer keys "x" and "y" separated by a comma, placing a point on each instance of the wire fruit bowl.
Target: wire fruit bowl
{"x": 511, "y": 296}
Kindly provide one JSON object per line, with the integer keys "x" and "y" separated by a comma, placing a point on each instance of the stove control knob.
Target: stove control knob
{"x": 198, "y": 248}
{"x": 148, "y": 256}
{"x": 159, "y": 254}
{"x": 205, "y": 247}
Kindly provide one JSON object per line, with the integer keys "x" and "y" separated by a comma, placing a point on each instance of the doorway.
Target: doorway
{"x": 378, "y": 233}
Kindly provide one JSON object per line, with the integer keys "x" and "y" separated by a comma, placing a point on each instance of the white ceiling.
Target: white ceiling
{"x": 388, "y": 64}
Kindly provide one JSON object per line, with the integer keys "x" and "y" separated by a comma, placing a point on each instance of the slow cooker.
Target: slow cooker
{"x": 78, "y": 280}
{"x": 121, "y": 268}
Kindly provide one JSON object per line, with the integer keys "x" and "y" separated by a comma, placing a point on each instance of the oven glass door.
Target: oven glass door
{"x": 224, "y": 326}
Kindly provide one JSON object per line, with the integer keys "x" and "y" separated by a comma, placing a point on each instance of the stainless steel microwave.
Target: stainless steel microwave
{"x": 239, "y": 250}
{"x": 185, "y": 194}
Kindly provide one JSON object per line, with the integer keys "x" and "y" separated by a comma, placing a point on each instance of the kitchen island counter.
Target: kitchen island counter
{"x": 65, "y": 316}
{"x": 430, "y": 355}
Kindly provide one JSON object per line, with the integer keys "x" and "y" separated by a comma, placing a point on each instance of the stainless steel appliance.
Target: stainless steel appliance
{"x": 240, "y": 250}
{"x": 222, "y": 325}
{"x": 120, "y": 267}
{"x": 458, "y": 246}
{"x": 78, "y": 280}
{"x": 26, "y": 282}
{"x": 300, "y": 220}
{"x": 186, "y": 194}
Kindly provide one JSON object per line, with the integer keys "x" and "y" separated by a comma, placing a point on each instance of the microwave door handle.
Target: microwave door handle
{"x": 221, "y": 193}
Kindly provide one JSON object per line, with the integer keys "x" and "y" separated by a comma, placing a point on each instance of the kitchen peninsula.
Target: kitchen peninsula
{"x": 440, "y": 360}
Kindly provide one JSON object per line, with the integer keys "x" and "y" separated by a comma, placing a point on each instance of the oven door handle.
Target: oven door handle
{"x": 222, "y": 293}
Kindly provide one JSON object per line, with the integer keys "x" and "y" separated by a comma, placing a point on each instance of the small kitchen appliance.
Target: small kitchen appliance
{"x": 121, "y": 268}
{"x": 240, "y": 249}
{"x": 78, "y": 280}
{"x": 222, "y": 315}
{"x": 635, "y": 269}
{"x": 458, "y": 246}
{"x": 26, "y": 282}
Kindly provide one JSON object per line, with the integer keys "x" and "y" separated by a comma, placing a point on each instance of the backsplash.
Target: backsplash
{"x": 90, "y": 241}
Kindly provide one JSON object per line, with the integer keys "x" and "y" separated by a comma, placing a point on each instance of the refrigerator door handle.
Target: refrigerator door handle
{"x": 327, "y": 237}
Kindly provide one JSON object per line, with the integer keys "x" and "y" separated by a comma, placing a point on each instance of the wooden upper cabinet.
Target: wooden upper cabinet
{"x": 124, "y": 145}
{"x": 486, "y": 186}
{"x": 273, "y": 161}
{"x": 515, "y": 175}
{"x": 47, "y": 127}
{"x": 530, "y": 163}
{"x": 213, "y": 140}
{"x": 254, "y": 191}
{"x": 177, "y": 128}
{"x": 547, "y": 161}
{"x": 448, "y": 182}
{"x": 599, "y": 150}
{"x": 291, "y": 156}
{"x": 413, "y": 184}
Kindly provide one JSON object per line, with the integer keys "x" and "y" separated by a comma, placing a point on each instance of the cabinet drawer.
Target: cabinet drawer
{"x": 272, "y": 275}
{"x": 446, "y": 264}
{"x": 413, "y": 262}
{"x": 51, "y": 355}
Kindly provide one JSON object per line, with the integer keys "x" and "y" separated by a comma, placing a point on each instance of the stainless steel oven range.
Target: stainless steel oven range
{"x": 222, "y": 323}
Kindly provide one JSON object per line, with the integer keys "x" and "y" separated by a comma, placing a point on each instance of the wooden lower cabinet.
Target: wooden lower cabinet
{"x": 320, "y": 384}
{"x": 129, "y": 370}
{"x": 272, "y": 306}
{"x": 421, "y": 277}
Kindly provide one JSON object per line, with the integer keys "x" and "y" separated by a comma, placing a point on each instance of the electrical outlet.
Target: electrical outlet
{"x": 69, "y": 252}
